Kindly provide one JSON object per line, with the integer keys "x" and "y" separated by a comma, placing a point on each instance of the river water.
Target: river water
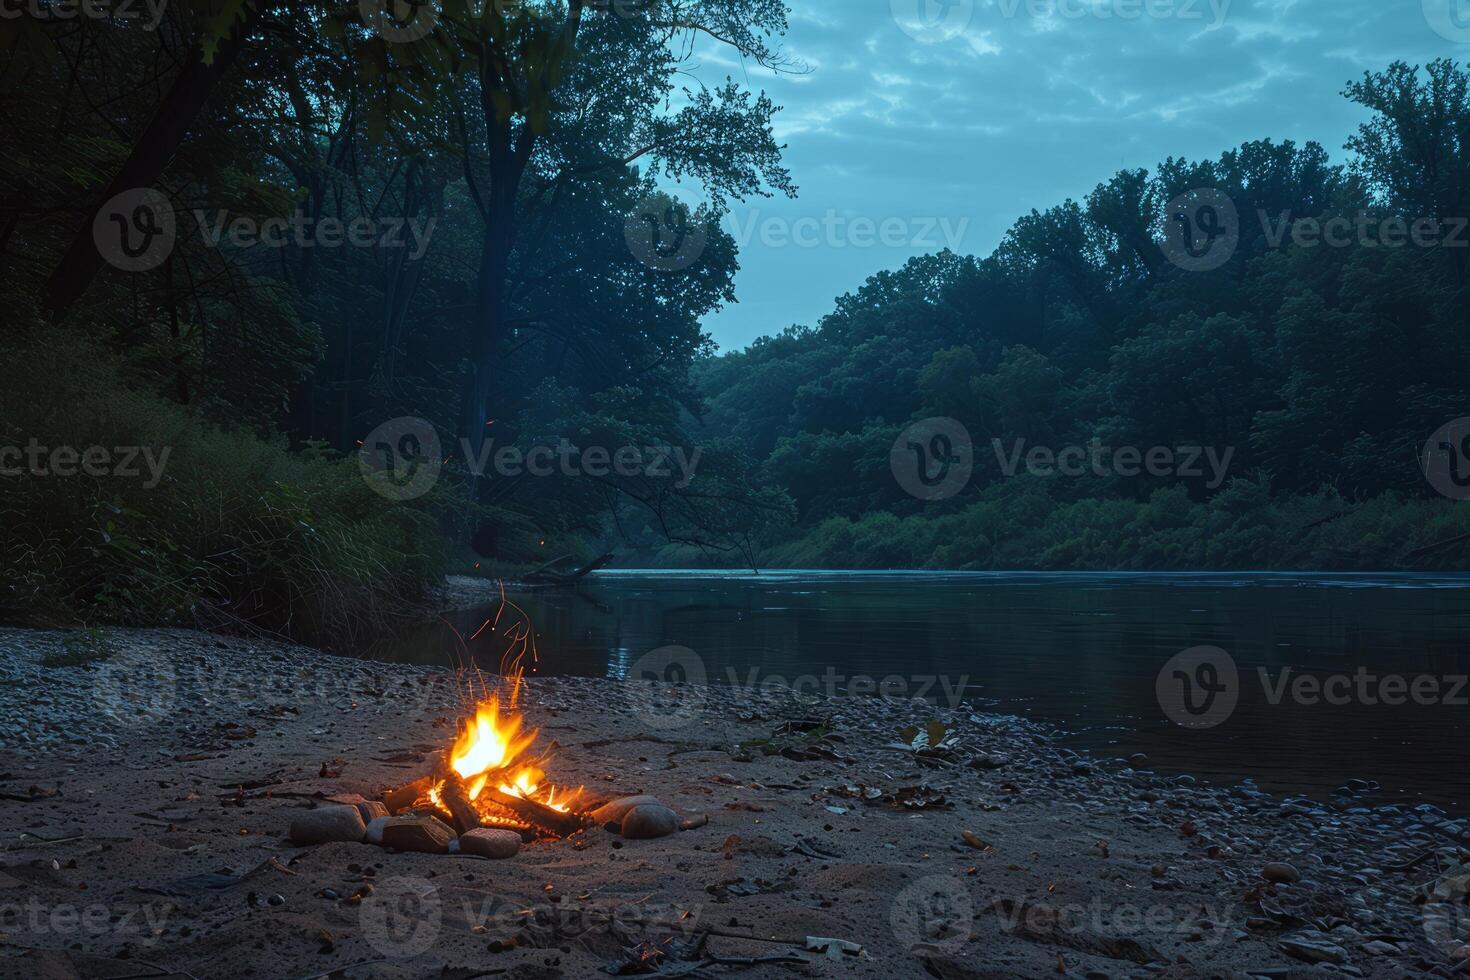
{"x": 1335, "y": 677}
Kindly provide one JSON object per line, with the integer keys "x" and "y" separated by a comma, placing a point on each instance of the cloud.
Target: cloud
{"x": 1021, "y": 110}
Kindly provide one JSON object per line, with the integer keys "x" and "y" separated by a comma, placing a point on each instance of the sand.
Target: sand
{"x": 167, "y": 774}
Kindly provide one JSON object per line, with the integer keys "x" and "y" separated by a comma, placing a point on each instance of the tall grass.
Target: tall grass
{"x": 237, "y": 532}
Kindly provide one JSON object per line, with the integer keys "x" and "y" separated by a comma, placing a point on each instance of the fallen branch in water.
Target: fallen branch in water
{"x": 545, "y": 576}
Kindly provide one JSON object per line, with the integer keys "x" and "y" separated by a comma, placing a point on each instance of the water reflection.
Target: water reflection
{"x": 1082, "y": 650}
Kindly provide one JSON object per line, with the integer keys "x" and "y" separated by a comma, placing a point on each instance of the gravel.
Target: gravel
{"x": 143, "y": 745}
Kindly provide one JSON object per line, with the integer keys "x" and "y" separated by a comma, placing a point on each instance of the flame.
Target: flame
{"x": 489, "y": 742}
{"x": 488, "y": 748}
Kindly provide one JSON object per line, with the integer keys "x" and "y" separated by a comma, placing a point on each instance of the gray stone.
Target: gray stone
{"x": 327, "y": 824}
{"x": 649, "y": 820}
{"x": 1313, "y": 947}
{"x": 489, "y": 842}
{"x": 375, "y": 827}
{"x": 1281, "y": 873}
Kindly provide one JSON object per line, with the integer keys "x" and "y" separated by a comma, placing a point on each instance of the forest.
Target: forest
{"x": 241, "y": 238}
{"x": 1316, "y": 352}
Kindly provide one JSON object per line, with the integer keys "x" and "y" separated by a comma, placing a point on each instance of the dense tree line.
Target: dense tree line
{"x": 367, "y": 212}
{"x": 377, "y": 211}
{"x": 1320, "y": 362}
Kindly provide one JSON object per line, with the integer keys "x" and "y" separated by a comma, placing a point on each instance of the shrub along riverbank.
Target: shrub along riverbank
{"x": 1021, "y": 526}
{"x": 119, "y": 506}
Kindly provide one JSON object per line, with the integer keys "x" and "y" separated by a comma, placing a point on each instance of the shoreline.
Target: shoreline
{"x": 1118, "y": 871}
{"x": 1288, "y": 767}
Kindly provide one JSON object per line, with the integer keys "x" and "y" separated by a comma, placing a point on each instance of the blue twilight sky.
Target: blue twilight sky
{"x": 930, "y": 122}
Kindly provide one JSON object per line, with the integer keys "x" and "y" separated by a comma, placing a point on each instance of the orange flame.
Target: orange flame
{"x": 488, "y": 747}
{"x": 488, "y": 742}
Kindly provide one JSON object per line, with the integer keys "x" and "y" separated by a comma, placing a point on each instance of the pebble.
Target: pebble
{"x": 1281, "y": 873}
{"x": 612, "y": 813}
{"x": 1313, "y": 947}
{"x": 150, "y": 676}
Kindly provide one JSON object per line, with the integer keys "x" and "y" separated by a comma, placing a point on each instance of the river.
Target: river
{"x": 1335, "y": 677}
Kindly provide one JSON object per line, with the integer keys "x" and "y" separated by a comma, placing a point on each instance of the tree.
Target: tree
{"x": 209, "y": 58}
{"x": 561, "y": 92}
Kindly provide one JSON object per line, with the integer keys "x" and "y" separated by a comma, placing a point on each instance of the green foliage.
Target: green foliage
{"x": 1320, "y": 369}
{"x": 511, "y": 261}
{"x": 1239, "y": 529}
{"x": 207, "y": 526}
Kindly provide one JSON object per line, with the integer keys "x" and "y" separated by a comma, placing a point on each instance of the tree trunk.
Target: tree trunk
{"x": 494, "y": 268}
{"x": 151, "y": 154}
{"x": 508, "y": 154}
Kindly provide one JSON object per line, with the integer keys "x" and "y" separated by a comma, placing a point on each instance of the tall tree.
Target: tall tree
{"x": 563, "y": 91}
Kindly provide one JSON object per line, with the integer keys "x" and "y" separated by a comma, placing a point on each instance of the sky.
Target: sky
{"x": 921, "y": 124}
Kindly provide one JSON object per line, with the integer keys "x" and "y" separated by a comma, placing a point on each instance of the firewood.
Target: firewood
{"x": 457, "y": 802}
{"x": 529, "y": 811}
{"x": 401, "y": 798}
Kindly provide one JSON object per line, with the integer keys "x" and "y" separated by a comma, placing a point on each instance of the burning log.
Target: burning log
{"x": 538, "y": 815}
{"x": 401, "y": 798}
{"x": 457, "y": 802}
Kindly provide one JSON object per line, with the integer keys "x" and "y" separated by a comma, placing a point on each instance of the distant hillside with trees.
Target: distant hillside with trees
{"x": 1322, "y": 367}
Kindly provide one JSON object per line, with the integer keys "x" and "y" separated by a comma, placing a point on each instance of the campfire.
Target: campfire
{"x": 486, "y": 779}
{"x": 488, "y": 790}
{"x": 489, "y": 776}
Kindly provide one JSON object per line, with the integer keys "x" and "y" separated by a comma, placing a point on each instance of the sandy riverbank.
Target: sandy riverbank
{"x": 140, "y": 852}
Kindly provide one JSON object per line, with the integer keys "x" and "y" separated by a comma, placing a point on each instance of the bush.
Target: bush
{"x": 1017, "y": 525}
{"x": 207, "y": 527}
